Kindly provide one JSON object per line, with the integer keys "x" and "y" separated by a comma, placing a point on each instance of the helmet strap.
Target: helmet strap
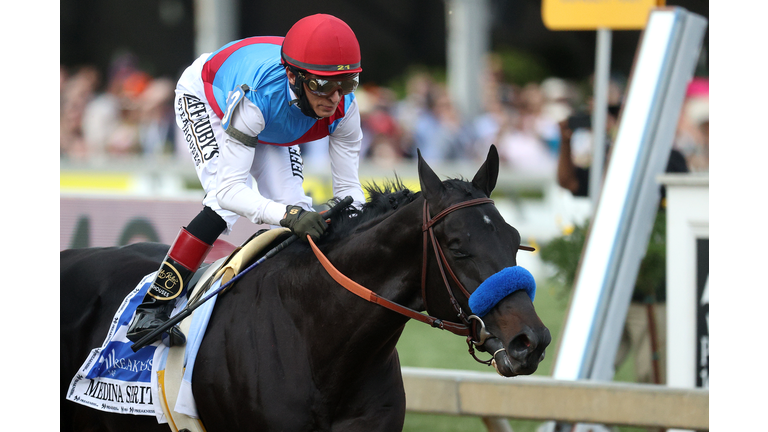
{"x": 301, "y": 100}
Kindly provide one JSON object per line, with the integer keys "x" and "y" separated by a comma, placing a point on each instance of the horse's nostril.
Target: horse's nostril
{"x": 521, "y": 344}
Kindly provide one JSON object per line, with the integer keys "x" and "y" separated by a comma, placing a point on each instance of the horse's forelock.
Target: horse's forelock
{"x": 461, "y": 185}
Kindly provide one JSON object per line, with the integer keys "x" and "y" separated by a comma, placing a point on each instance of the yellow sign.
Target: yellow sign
{"x": 595, "y": 14}
{"x": 75, "y": 181}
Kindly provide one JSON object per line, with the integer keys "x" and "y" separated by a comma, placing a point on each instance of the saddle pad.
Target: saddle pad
{"x": 115, "y": 379}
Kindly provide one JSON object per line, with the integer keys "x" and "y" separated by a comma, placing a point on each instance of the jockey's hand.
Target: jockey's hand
{"x": 303, "y": 222}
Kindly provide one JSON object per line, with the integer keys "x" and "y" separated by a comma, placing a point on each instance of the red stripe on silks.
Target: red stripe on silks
{"x": 188, "y": 250}
{"x": 212, "y": 66}
{"x": 318, "y": 130}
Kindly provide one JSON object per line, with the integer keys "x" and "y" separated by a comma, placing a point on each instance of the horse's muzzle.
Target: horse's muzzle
{"x": 521, "y": 356}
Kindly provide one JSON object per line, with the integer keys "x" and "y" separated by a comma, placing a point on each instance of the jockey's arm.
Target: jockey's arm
{"x": 344, "y": 150}
{"x": 236, "y": 158}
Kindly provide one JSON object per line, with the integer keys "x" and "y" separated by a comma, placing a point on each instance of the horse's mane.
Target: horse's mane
{"x": 382, "y": 200}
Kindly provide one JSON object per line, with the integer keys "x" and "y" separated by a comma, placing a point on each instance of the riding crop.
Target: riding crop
{"x": 150, "y": 337}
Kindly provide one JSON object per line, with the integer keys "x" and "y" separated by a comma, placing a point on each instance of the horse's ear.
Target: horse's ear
{"x": 431, "y": 186}
{"x": 486, "y": 176}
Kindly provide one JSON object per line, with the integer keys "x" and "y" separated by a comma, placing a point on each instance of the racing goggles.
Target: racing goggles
{"x": 323, "y": 87}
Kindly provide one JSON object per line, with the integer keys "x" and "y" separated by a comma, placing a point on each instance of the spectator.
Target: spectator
{"x": 498, "y": 101}
{"x": 532, "y": 108}
{"x": 111, "y": 119}
{"x": 418, "y": 87}
{"x": 156, "y": 124}
{"x": 526, "y": 138}
{"x": 124, "y": 139}
{"x": 76, "y": 92}
{"x": 572, "y": 171}
{"x": 381, "y": 130}
{"x": 558, "y": 103}
{"x": 101, "y": 118}
{"x": 692, "y": 138}
{"x": 488, "y": 124}
{"x": 440, "y": 133}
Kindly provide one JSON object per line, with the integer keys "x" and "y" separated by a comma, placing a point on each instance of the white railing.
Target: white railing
{"x": 495, "y": 398}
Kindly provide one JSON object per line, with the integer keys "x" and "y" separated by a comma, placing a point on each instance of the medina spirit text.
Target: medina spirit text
{"x": 135, "y": 394}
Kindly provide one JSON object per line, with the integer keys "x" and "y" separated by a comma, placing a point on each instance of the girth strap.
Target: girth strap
{"x": 372, "y": 297}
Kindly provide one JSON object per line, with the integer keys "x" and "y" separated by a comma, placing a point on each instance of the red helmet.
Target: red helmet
{"x": 322, "y": 45}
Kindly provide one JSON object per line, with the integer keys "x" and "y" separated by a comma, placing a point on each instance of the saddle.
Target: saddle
{"x": 170, "y": 380}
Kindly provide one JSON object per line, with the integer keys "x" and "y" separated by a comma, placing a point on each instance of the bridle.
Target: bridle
{"x": 471, "y": 326}
{"x": 477, "y": 333}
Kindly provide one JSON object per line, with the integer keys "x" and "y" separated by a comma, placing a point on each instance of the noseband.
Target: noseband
{"x": 471, "y": 326}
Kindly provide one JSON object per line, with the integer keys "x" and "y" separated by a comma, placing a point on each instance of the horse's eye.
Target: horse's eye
{"x": 459, "y": 254}
{"x": 454, "y": 245}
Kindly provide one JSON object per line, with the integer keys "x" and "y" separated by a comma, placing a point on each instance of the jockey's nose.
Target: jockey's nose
{"x": 335, "y": 97}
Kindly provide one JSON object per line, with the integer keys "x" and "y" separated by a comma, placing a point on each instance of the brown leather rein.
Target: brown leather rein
{"x": 472, "y": 326}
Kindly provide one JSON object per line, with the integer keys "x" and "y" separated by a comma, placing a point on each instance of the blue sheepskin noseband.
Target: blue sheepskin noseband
{"x": 500, "y": 285}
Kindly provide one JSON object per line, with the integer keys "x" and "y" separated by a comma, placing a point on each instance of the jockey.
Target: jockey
{"x": 243, "y": 111}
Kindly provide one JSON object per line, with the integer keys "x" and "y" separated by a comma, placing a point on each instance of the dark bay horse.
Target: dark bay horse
{"x": 289, "y": 349}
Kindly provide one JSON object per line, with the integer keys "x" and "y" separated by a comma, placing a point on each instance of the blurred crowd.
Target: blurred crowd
{"x": 129, "y": 113}
{"x": 125, "y": 113}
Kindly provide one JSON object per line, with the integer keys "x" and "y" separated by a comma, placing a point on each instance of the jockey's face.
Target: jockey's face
{"x": 323, "y": 106}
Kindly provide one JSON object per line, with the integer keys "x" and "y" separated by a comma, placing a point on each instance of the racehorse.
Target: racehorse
{"x": 287, "y": 348}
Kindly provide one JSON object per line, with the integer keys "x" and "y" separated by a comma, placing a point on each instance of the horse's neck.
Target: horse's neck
{"x": 387, "y": 257}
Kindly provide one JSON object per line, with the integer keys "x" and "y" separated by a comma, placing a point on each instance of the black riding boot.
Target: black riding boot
{"x": 184, "y": 257}
{"x": 151, "y": 314}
